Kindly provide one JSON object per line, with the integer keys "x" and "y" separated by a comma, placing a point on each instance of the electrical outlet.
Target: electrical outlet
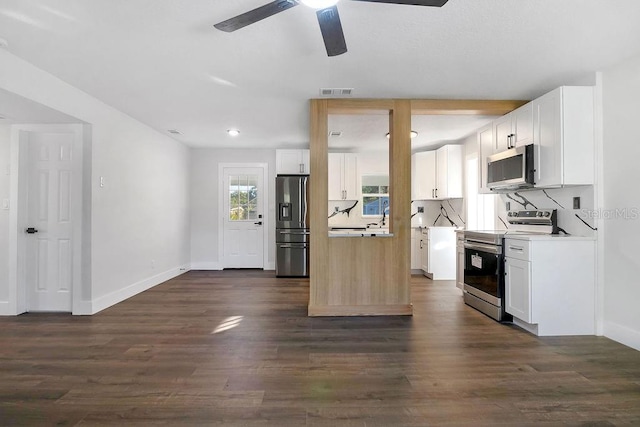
{"x": 508, "y": 206}
{"x": 576, "y": 203}
{"x": 420, "y": 209}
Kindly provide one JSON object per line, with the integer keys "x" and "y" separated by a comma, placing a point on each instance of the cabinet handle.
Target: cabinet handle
{"x": 515, "y": 248}
{"x": 436, "y": 193}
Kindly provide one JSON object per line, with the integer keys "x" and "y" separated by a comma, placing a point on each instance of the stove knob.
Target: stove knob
{"x": 509, "y": 213}
{"x": 546, "y": 214}
{"x": 538, "y": 214}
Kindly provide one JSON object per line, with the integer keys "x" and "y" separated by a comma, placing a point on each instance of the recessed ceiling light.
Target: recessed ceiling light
{"x": 413, "y": 134}
{"x": 175, "y": 131}
{"x": 233, "y": 132}
{"x": 319, "y": 4}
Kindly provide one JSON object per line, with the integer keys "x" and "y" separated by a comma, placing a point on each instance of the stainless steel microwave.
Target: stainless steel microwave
{"x": 511, "y": 170}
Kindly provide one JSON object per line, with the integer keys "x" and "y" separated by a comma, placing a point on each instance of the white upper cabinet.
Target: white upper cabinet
{"x": 437, "y": 174}
{"x": 449, "y": 172}
{"x": 423, "y": 175}
{"x": 343, "y": 176}
{"x": 485, "y": 148}
{"x": 513, "y": 129}
{"x": 564, "y": 137}
{"x": 292, "y": 162}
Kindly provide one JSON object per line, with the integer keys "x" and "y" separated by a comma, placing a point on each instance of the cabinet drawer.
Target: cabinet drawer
{"x": 518, "y": 249}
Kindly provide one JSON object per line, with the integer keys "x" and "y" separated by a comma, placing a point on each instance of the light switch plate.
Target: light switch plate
{"x": 576, "y": 203}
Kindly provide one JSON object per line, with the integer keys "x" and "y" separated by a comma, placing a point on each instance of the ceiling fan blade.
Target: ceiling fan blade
{"x": 255, "y": 15}
{"x": 434, "y": 3}
{"x": 331, "y": 30}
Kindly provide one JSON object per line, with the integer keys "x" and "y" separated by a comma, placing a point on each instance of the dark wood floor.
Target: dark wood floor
{"x": 157, "y": 359}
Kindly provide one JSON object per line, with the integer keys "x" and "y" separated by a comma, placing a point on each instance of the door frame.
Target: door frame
{"x": 265, "y": 209}
{"x": 18, "y": 215}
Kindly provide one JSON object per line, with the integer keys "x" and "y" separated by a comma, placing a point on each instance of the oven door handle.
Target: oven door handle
{"x": 484, "y": 248}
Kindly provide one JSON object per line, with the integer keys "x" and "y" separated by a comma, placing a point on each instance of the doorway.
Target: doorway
{"x": 242, "y": 220}
{"x": 45, "y": 267}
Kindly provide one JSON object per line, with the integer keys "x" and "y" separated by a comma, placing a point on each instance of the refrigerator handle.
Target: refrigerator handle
{"x": 303, "y": 197}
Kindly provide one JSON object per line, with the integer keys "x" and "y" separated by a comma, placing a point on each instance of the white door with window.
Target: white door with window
{"x": 243, "y": 219}
{"x": 49, "y": 227}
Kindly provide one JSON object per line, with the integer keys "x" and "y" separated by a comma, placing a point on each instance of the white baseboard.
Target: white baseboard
{"x": 206, "y": 266}
{"x": 7, "y": 309}
{"x": 113, "y": 298}
{"x": 622, "y": 334}
{"x": 270, "y": 266}
{"x": 82, "y": 308}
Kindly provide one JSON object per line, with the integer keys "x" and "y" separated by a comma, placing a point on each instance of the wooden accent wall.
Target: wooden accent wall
{"x": 359, "y": 276}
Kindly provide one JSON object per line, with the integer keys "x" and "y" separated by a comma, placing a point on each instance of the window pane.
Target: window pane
{"x": 370, "y": 189}
{"x": 375, "y": 190}
{"x": 243, "y": 197}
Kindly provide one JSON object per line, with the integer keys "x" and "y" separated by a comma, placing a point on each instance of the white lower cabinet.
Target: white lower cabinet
{"x": 415, "y": 249}
{"x": 518, "y": 288}
{"x": 550, "y": 284}
{"x": 439, "y": 253}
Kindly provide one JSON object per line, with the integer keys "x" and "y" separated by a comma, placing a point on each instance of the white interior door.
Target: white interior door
{"x": 243, "y": 221}
{"x": 49, "y": 240}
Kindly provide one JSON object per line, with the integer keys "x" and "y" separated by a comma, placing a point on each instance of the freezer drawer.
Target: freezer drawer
{"x": 292, "y": 260}
{"x": 292, "y": 235}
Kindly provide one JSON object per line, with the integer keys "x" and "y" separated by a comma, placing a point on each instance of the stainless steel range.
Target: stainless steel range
{"x": 484, "y": 259}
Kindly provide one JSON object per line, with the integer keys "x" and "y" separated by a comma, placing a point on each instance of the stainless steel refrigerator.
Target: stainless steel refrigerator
{"x": 292, "y": 226}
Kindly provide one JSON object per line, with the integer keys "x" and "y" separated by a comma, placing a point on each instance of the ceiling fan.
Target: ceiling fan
{"x": 327, "y": 13}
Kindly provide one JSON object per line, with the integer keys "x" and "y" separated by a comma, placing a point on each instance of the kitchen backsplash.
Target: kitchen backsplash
{"x": 577, "y": 222}
{"x": 435, "y": 212}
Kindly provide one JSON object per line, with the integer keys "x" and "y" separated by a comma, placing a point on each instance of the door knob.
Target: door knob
{"x": 257, "y": 223}
{"x": 31, "y": 230}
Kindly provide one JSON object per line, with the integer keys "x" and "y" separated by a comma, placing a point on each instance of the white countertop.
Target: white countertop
{"x": 564, "y": 237}
{"x": 372, "y": 232}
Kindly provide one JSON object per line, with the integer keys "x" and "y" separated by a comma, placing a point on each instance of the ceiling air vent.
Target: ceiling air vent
{"x": 174, "y": 131}
{"x": 332, "y": 92}
{"x": 335, "y": 134}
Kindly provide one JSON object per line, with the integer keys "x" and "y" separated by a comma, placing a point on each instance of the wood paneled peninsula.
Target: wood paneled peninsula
{"x": 365, "y": 276}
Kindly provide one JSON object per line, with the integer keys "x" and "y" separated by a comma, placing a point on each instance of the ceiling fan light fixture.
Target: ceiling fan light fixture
{"x": 413, "y": 134}
{"x": 319, "y": 4}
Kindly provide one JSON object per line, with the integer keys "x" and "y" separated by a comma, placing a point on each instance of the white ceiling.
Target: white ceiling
{"x": 162, "y": 62}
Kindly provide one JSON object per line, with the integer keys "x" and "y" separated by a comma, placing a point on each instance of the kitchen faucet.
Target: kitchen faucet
{"x": 384, "y": 211}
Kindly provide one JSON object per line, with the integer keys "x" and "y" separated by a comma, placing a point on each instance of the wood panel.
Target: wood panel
{"x": 318, "y": 201}
{"x": 351, "y": 272}
{"x": 464, "y": 106}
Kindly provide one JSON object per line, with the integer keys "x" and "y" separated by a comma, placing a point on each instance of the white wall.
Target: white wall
{"x": 621, "y": 110}
{"x": 204, "y": 202}
{"x": 140, "y": 219}
{"x": 5, "y": 143}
